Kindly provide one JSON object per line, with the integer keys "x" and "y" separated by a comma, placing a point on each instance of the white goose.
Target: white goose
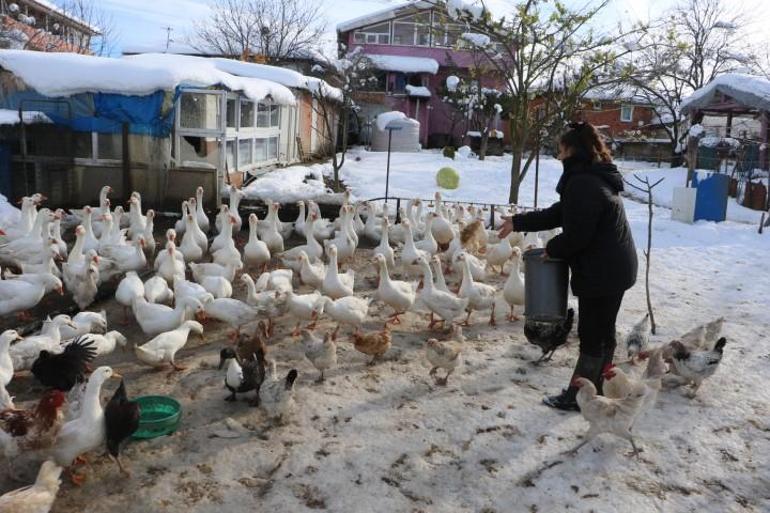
{"x": 85, "y": 322}
{"x": 480, "y": 295}
{"x": 399, "y": 295}
{"x": 311, "y": 248}
{"x": 197, "y": 230}
{"x": 213, "y": 269}
{"x": 128, "y": 258}
{"x": 438, "y": 270}
{"x": 48, "y": 263}
{"x": 130, "y": 287}
{"x": 311, "y": 274}
{"x": 233, "y": 312}
{"x": 217, "y": 286}
{"x": 410, "y": 253}
{"x": 26, "y": 220}
{"x": 269, "y": 231}
{"x": 163, "y": 255}
{"x": 304, "y": 307}
{"x": 336, "y": 285}
{"x": 383, "y": 248}
{"x": 162, "y": 349}
{"x": 111, "y": 236}
{"x": 104, "y": 344}
{"x": 149, "y": 232}
{"x": 136, "y": 220}
{"x": 255, "y": 252}
{"x": 442, "y": 229}
{"x": 6, "y": 363}
{"x": 154, "y": 318}
{"x": 513, "y": 290}
{"x": 184, "y": 288}
{"x": 228, "y": 253}
{"x": 236, "y": 195}
{"x": 499, "y": 254}
{"x": 225, "y": 232}
{"x": 349, "y": 310}
{"x": 156, "y": 290}
{"x": 444, "y": 304}
{"x": 24, "y": 353}
{"x": 478, "y": 269}
{"x": 428, "y": 244}
{"x": 180, "y": 226}
{"x": 21, "y": 295}
{"x": 172, "y": 266}
{"x": 86, "y": 286}
{"x": 88, "y": 431}
{"x": 190, "y": 249}
{"x": 299, "y": 224}
{"x": 89, "y": 241}
{"x": 372, "y": 229}
{"x": 200, "y": 215}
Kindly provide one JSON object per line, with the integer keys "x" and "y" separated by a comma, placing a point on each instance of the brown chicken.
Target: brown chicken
{"x": 374, "y": 344}
{"x": 249, "y": 345}
{"x": 35, "y": 429}
{"x": 473, "y": 237}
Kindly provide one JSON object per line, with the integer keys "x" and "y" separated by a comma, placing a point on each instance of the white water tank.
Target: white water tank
{"x": 406, "y": 133}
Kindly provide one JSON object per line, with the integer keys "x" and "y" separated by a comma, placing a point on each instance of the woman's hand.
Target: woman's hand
{"x": 507, "y": 227}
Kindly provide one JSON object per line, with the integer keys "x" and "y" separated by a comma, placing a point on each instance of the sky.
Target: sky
{"x": 143, "y": 24}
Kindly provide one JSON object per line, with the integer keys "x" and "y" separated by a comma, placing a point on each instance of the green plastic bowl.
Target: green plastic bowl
{"x": 160, "y": 416}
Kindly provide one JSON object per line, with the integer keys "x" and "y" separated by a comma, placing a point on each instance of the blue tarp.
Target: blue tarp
{"x": 100, "y": 112}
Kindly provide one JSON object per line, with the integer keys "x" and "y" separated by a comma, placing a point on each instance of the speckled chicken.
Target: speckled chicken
{"x": 638, "y": 337}
{"x": 277, "y": 395}
{"x": 445, "y": 355}
{"x": 549, "y": 336}
{"x": 374, "y": 344}
{"x": 37, "y": 428}
{"x": 694, "y": 366}
{"x": 322, "y": 353}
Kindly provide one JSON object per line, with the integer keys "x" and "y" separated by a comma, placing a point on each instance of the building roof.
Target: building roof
{"x": 50, "y": 7}
{"x": 67, "y": 74}
{"x": 404, "y": 64}
{"x": 383, "y": 15}
{"x": 749, "y": 90}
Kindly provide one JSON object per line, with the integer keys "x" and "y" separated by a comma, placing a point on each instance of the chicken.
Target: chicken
{"x": 638, "y": 337}
{"x": 374, "y": 344}
{"x": 249, "y": 345}
{"x": 243, "y": 374}
{"x": 696, "y": 365}
{"x": 703, "y": 336}
{"x": 277, "y": 395}
{"x": 444, "y": 355}
{"x": 606, "y": 415}
{"x": 549, "y": 336}
{"x": 63, "y": 371}
{"x": 121, "y": 418}
{"x": 37, "y": 498}
{"x": 473, "y": 237}
{"x": 321, "y": 353}
{"x": 35, "y": 429}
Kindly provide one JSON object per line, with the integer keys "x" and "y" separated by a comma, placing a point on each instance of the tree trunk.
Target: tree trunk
{"x": 483, "y": 144}
{"x": 513, "y": 195}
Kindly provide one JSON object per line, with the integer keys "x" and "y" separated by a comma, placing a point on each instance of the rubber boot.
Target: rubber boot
{"x": 609, "y": 354}
{"x": 589, "y": 367}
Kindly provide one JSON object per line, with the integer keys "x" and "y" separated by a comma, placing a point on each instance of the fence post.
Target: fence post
{"x": 398, "y": 210}
{"x": 492, "y": 216}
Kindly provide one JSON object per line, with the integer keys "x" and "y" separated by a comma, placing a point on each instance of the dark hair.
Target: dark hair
{"x": 585, "y": 142}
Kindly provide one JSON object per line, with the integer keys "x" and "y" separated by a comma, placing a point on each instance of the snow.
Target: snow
{"x": 476, "y": 39}
{"x": 461, "y": 8}
{"x": 404, "y": 64}
{"x": 749, "y": 90}
{"x": 696, "y": 130}
{"x": 421, "y": 91}
{"x": 713, "y": 142}
{"x": 283, "y": 76}
{"x": 66, "y": 74}
{"x": 9, "y": 214}
{"x": 376, "y": 16}
{"x": 452, "y": 82}
{"x": 384, "y": 119}
{"x": 495, "y": 134}
{"x": 11, "y": 117}
{"x": 290, "y": 184}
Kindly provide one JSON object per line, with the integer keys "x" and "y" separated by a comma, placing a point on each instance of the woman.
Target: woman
{"x": 596, "y": 241}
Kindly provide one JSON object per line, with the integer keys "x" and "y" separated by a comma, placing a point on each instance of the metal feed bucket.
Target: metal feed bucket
{"x": 545, "y": 287}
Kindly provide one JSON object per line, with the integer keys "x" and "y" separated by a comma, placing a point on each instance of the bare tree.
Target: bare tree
{"x": 32, "y": 34}
{"x": 646, "y": 187}
{"x": 682, "y": 51}
{"x": 529, "y": 49}
{"x": 334, "y": 100}
{"x": 270, "y": 30}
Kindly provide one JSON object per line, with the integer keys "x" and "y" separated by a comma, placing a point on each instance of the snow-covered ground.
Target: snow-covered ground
{"x": 290, "y": 184}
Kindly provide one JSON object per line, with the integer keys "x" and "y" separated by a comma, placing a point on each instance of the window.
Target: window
{"x": 263, "y": 116}
{"x": 445, "y": 33}
{"x": 626, "y": 113}
{"x": 401, "y": 80}
{"x": 272, "y": 148}
{"x": 199, "y": 151}
{"x": 82, "y": 143}
{"x": 377, "y": 82}
{"x": 374, "y": 35}
{"x": 244, "y": 152}
{"x": 260, "y": 150}
{"x": 412, "y": 30}
{"x": 230, "y": 155}
{"x": 247, "y": 114}
{"x": 231, "y": 107}
{"x": 200, "y": 110}
{"x": 597, "y": 105}
{"x": 109, "y": 146}
{"x": 275, "y": 115}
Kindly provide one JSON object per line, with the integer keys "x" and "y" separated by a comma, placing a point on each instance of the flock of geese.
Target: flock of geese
{"x": 440, "y": 260}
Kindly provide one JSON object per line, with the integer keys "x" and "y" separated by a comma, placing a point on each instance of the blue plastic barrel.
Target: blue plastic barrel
{"x": 711, "y": 197}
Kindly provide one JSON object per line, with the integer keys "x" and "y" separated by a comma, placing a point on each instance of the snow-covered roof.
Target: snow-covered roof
{"x": 67, "y": 74}
{"x": 394, "y": 116}
{"x": 616, "y": 92}
{"x": 50, "y": 6}
{"x": 419, "y": 91}
{"x": 749, "y": 90}
{"x": 383, "y": 15}
{"x": 11, "y": 117}
{"x": 404, "y": 64}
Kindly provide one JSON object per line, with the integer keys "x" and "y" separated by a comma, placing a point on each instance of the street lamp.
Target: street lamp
{"x": 390, "y": 127}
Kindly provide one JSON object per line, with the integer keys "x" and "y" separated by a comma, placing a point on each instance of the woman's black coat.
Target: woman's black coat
{"x": 596, "y": 239}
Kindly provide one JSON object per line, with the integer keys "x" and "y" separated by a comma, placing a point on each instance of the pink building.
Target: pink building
{"x": 414, "y": 48}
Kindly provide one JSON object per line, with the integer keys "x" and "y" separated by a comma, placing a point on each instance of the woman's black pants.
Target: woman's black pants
{"x": 596, "y": 325}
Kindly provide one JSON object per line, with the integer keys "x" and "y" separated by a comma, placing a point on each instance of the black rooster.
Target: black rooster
{"x": 549, "y": 336}
{"x": 121, "y": 418}
{"x": 65, "y": 370}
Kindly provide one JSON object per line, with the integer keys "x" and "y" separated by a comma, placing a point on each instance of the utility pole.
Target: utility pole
{"x": 168, "y": 30}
